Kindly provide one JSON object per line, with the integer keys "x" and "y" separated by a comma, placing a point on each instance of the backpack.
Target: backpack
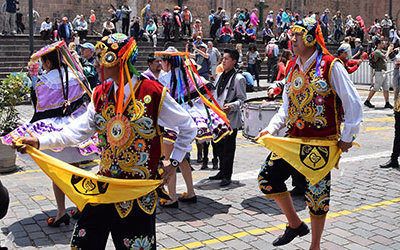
{"x": 371, "y": 60}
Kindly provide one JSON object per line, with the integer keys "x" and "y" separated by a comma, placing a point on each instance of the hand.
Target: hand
{"x": 226, "y": 108}
{"x": 261, "y": 134}
{"x": 169, "y": 171}
{"x": 31, "y": 141}
{"x": 270, "y": 93}
{"x": 345, "y": 146}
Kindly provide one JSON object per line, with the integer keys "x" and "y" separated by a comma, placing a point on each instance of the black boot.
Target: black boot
{"x": 392, "y": 163}
{"x": 205, "y": 164}
{"x": 290, "y": 234}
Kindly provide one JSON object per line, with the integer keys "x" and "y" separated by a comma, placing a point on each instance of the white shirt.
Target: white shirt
{"x": 345, "y": 90}
{"x": 172, "y": 115}
{"x": 46, "y": 26}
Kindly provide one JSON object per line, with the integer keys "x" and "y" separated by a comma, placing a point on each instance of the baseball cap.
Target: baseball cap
{"x": 88, "y": 46}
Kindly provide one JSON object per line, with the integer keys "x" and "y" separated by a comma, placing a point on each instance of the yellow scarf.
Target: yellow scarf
{"x": 83, "y": 187}
{"x": 313, "y": 158}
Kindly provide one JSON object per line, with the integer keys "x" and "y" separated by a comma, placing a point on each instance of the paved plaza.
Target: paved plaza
{"x": 365, "y": 201}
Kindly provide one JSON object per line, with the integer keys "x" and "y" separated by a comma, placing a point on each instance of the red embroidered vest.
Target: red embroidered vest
{"x": 314, "y": 108}
{"x": 130, "y": 145}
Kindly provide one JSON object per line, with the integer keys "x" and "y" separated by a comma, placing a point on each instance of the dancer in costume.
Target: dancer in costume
{"x": 318, "y": 94}
{"x": 59, "y": 97}
{"x": 126, "y": 113}
{"x": 188, "y": 89}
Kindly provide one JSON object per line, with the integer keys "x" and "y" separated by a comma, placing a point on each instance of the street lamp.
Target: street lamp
{"x": 261, "y": 7}
{"x": 390, "y": 8}
{"x": 31, "y": 27}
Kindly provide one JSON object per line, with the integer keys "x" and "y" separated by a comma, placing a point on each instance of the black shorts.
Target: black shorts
{"x": 97, "y": 221}
{"x": 275, "y": 171}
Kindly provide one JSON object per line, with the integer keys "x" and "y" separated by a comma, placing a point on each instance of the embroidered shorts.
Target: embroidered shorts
{"x": 275, "y": 172}
{"x": 136, "y": 231}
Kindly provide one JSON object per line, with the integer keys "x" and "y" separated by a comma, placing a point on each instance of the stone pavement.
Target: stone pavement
{"x": 365, "y": 202}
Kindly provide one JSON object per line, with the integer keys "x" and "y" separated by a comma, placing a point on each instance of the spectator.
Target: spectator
{"x": 239, "y": 48}
{"x": 166, "y": 20}
{"x": 250, "y": 35}
{"x": 202, "y": 59}
{"x": 283, "y": 40}
{"x": 146, "y": 13}
{"x": 125, "y": 17}
{"x": 359, "y": 51}
{"x": 151, "y": 32}
{"x": 351, "y": 65}
{"x": 230, "y": 94}
{"x": 177, "y": 23}
{"x": 81, "y": 27}
{"x": 65, "y": 30}
{"x": 87, "y": 61}
{"x": 11, "y": 12}
{"x": 272, "y": 52}
{"x": 375, "y": 28}
{"x": 213, "y": 29}
{"x": 226, "y": 33}
{"x": 284, "y": 58}
{"x": 45, "y": 29}
{"x": 135, "y": 30}
{"x": 254, "y": 21}
{"x": 187, "y": 20}
{"x": 217, "y": 22}
{"x": 197, "y": 42}
{"x": 36, "y": 17}
{"x": 108, "y": 28}
{"x": 386, "y": 25}
{"x": 338, "y": 27}
{"x": 279, "y": 21}
{"x": 324, "y": 22}
{"x": 347, "y": 47}
{"x": 92, "y": 22}
{"x": 214, "y": 57}
{"x": 253, "y": 62}
{"x": 197, "y": 29}
{"x": 381, "y": 80}
{"x": 240, "y": 33}
{"x": 269, "y": 20}
{"x": 267, "y": 34}
{"x": 113, "y": 16}
{"x": 235, "y": 18}
{"x": 3, "y": 18}
{"x": 19, "y": 22}
{"x": 56, "y": 24}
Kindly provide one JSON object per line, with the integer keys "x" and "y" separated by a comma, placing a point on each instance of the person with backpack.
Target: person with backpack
{"x": 187, "y": 19}
{"x": 176, "y": 23}
{"x": 378, "y": 61}
{"x": 272, "y": 52}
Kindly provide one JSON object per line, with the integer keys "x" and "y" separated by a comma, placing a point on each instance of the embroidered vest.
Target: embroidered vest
{"x": 314, "y": 107}
{"x": 130, "y": 144}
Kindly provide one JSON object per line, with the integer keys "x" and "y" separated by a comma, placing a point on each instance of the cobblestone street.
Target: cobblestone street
{"x": 364, "y": 209}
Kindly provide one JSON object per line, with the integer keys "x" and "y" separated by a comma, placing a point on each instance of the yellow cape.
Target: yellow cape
{"x": 83, "y": 187}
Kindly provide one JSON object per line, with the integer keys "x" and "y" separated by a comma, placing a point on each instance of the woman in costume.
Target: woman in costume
{"x": 59, "y": 96}
{"x": 188, "y": 89}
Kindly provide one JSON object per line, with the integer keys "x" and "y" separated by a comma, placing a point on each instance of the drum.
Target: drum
{"x": 257, "y": 114}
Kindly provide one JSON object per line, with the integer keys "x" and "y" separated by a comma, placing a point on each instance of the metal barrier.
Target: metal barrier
{"x": 364, "y": 74}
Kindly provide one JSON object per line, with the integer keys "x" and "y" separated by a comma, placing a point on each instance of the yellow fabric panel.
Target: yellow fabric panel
{"x": 83, "y": 187}
{"x": 311, "y": 157}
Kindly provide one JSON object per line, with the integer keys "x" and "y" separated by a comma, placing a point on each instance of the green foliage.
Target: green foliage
{"x": 13, "y": 90}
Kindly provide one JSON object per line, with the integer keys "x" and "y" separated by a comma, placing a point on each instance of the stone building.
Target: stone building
{"x": 368, "y": 9}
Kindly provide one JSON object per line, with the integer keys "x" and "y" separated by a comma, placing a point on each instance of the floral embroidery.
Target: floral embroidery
{"x": 139, "y": 243}
{"x": 82, "y": 233}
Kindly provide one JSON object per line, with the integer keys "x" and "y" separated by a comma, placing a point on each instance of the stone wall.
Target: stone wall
{"x": 368, "y": 9}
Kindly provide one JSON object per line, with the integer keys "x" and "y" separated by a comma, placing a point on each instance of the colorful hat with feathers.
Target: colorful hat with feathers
{"x": 116, "y": 47}
{"x": 312, "y": 33}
